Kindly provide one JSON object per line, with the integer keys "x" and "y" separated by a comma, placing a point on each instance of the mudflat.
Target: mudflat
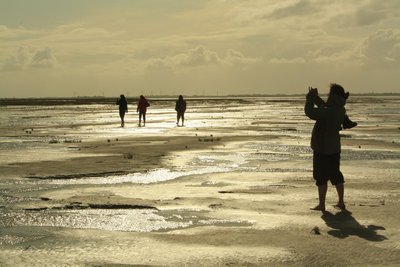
{"x": 232, "y": 188}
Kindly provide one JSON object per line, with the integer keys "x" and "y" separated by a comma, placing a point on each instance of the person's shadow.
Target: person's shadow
{"x": 343, "y": 225}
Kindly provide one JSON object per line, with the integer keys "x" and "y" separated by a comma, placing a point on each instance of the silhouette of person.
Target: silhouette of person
{"x": 347, "y": 123}
{"x": 142, "y": 106}
{"x": 180, "y": 108}
{"x": 325, "y": 141}
{"x": 123, "y": 108}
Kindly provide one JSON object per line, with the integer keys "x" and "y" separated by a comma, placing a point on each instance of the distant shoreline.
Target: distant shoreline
{"x": 87, "y": 100}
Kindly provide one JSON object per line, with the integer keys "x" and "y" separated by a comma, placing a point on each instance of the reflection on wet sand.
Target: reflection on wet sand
{"x": 232, "y": 187}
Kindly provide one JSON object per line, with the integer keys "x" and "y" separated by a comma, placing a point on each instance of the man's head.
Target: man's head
{"x": 337, "y": 89}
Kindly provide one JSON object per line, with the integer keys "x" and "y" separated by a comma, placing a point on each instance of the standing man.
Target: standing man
{"x": 142, "y": 106}
{"x": 123, "y": 108}
{"x": 180, "y": 108}
{"x": 325, "y": 142}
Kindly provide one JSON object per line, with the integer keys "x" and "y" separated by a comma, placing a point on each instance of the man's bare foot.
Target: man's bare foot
{"x": 319, "y": 208}
{"x": 340, "y": 206}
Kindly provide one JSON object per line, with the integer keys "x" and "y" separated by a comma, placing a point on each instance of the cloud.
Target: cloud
{"x": 197, "y": 56}
{"x": 296, "y": 8}
{"x": 79, "y": 32}
{"x": 43, "y": 59}
{"x": 254, "y": 12}
{"x": 345, "y": 58}
{"x": 158, "y": 64}
{"x": 3, "y": 31}
{"x": 30, "y": 59}
{"x": 18, "y": 33}
{"x": 340, "y": 56}
{"x": 296, "y": 60}
{"x": 382, "y": 47}
{"x": 18, "y": 61}
{"x": 200, "y": 56}
{"x": 234, "y": 57}
{"x": 376, "y": 11}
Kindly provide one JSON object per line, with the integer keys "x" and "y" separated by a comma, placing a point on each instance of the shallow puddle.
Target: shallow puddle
{"x": 131, "y": 220}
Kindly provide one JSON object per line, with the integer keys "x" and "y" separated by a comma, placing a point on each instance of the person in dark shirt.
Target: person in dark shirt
{"x": 319, "y": 102}
{"x": 180, "y": 108}
{"x": 123, "y": 108}
{"x": 325, "y": 141}
{"x": 142, "y": 106}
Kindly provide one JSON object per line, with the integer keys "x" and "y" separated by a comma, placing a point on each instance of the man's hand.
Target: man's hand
{"x": 312, "y": 93}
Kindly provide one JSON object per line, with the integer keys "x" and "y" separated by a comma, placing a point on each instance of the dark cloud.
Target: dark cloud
{"x": 28, "y": 59}
{"x": 43, "y": 59}
{"x": 299, "y": 8}
{"x": 376, "y": 11}
{"x": 367, "y": 16}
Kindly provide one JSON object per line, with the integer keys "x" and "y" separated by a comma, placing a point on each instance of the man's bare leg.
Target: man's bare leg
{"x": 322, "y": 189}
{"x": 340, "y": 192}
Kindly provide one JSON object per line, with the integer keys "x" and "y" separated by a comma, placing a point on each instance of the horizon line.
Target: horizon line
{"x": 190, "y": 96}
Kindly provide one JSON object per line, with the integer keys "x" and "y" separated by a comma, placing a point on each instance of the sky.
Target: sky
{"x": 64, "y": 48}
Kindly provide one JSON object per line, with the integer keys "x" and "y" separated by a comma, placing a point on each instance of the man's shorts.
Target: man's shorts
{"x": 327, "y": 167}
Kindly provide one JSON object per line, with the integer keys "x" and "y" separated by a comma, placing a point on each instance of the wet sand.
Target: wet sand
{"x": 221, "y": 196}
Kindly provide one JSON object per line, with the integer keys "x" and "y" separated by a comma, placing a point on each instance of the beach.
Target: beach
{"x": 233, "y": 187}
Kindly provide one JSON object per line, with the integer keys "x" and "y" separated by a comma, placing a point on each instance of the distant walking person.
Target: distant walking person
{"x": 142, "y": 106}
{"x": 123, "y": 108}
{"x": 325, "y": 141}
{"x": 180, "y": 108}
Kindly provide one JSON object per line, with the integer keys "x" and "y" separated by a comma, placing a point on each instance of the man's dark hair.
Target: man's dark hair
{"x": 337, "y": 89}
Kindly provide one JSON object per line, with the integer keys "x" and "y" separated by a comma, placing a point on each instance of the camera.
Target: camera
{"x": 312, "y": 90}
